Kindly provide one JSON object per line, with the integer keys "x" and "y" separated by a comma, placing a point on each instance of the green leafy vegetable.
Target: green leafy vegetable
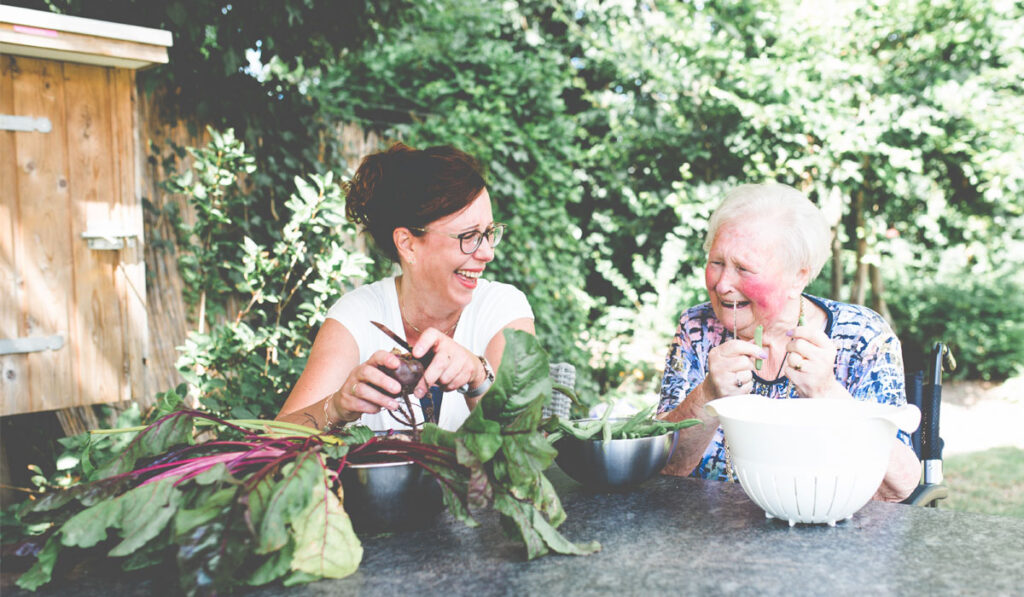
{"x": 507, "y": 454}
{"x": 263, "y": 503}
{"x": 641, "y": 424}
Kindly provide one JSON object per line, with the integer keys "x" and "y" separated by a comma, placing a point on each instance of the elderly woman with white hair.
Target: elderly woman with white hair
{"x": 765, "y": 243}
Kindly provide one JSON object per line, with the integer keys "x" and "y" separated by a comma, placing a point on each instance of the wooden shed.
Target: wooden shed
{"x": 73, "y": 317}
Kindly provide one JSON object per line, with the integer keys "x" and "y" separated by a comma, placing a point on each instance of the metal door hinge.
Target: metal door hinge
{"x": 108, "y": 240}
{"x": 33, "y": 344}
{"x": 9, "y": 122}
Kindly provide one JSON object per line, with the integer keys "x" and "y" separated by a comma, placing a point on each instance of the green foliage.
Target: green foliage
{"x": 980, "y": 318}
{"x": 609, "y": 130}
{"x": 245, "y": 364}
{"x": 911, "y": 107}
{"x": 213, "y": 189}
{"x": 470, "y": 75}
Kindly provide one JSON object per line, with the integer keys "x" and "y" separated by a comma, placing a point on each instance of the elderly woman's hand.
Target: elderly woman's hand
{"x": 810, "y": 363}
{"x": 452, "y": 366}
{"x": 361, "y": 392}
{"x": 731, "y": 367}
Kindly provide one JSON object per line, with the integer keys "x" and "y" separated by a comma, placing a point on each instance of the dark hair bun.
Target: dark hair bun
{"x": 403, "y": 187}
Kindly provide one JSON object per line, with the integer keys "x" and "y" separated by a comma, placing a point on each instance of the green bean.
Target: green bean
{"x": 758, "y": 331}
{"x": 606, "y": 430}
{"x": 640, "y": 425}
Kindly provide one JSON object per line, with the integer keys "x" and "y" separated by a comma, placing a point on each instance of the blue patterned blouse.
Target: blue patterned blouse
{"x": 869, "y": 364}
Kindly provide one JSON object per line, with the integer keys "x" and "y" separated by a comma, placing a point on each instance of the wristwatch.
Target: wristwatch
{"x": 484, "y": 385}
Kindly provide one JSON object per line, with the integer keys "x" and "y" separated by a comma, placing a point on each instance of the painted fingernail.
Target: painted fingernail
{"x": 789, "y": 333}
{"x": 762, "y": 355}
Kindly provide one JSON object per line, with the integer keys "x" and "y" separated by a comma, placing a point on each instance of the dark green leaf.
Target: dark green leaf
{"x": 172, "y": 430}
{"x": 274, "y": 567}
{"x": 208, "y": 507}
{"x": 89, "y": 527}
{"x": 210, "y": 554}
{"x": 326, "y": 545}
{"x": 145, "y": 512}
{"x": 41, "y": 572}
{"x": 289, "y": 497}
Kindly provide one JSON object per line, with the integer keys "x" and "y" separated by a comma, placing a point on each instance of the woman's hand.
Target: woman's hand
{"x": 452, "y": 366}
{"x": 810, "y": 363}
{"x": 361, "y": 391}
{"x": 731, "y": 366}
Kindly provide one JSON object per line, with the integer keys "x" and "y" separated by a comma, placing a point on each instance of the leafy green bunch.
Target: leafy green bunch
{"x": 263, "y": 502}
{"x": 506, "y": 454}
{"x": 234, "y": 511}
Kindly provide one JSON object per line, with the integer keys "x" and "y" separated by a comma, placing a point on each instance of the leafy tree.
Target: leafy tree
{"x": 485, "y": 81}
{"x": 610, "y": 129}
{"x": 863, "y": 108}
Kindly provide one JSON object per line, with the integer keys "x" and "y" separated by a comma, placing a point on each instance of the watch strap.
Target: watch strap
{"x": 484, "y": 385}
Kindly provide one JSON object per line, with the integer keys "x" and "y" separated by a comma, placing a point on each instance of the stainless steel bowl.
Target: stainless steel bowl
{"x": 390, "y": 496}
{"x": 619, "y": 463}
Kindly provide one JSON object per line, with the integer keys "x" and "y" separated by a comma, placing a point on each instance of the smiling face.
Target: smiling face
{"x": 441, "y": 273}
{"x": 749, "y": 280}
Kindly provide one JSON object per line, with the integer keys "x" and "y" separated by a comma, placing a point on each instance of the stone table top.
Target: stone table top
{"x": 681, "y": 536}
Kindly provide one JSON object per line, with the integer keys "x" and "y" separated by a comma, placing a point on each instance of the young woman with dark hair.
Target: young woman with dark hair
{"x": 429, "y": 211}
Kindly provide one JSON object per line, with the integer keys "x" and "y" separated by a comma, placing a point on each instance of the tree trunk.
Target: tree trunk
{"x": 837, "y": 260}
{"x": 878, "y": 294}
{"x": 858, "y": 291}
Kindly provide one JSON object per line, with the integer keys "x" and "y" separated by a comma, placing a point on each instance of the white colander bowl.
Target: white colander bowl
{"x": 815, "y": 460}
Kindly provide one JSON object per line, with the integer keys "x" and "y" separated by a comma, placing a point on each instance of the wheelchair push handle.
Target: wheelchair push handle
{"x": 931, "y": 443}
{"x": 943, "y": 360}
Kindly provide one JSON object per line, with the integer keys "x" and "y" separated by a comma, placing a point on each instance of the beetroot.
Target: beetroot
{"x": 408, "y": 373}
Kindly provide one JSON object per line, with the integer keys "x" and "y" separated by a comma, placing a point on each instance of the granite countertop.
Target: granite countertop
{"x": 677, "y": 535}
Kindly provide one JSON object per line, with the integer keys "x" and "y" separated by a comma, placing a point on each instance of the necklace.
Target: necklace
{"x": 406, "y": 321}
{"x": 449, "y": 332}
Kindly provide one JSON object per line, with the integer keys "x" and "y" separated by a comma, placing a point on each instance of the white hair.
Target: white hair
{"x": 804, "y": 232}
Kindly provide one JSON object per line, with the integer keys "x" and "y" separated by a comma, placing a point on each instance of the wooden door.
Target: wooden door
{"x": 76, "y": 179}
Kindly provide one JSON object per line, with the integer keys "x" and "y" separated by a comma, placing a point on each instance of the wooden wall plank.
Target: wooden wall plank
{"x": 13, "y": 386}
{"x": 131, "y": 277}
{"x": 43, "y": 253}
{"x": 95, "y": 205}
{"x": 161, "y": 128}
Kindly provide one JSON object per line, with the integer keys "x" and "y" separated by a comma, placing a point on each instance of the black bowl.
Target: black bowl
{"x": 390, "y": 496}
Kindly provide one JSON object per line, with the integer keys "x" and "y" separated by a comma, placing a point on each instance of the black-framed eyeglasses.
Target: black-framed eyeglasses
{"x": 470, "y": 240}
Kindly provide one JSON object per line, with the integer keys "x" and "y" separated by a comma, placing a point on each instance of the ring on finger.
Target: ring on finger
{"x": 353, "y": 390}
{"x": 797, "y": 366}
{"x": 739, "y": 382}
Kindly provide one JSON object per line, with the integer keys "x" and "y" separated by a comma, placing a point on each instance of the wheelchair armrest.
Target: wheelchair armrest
{"x": 927, "y": 495}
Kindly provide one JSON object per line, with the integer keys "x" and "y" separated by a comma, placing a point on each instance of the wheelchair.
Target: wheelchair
{"x": 924, "y": 390}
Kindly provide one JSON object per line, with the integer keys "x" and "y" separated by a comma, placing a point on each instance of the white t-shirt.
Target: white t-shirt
{"x": 494, "y": 305}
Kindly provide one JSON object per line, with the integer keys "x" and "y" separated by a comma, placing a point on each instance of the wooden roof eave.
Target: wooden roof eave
{"x": 40, "y": 34}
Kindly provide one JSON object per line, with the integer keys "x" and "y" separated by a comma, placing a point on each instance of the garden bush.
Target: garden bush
{"x": 980, "y": 318}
